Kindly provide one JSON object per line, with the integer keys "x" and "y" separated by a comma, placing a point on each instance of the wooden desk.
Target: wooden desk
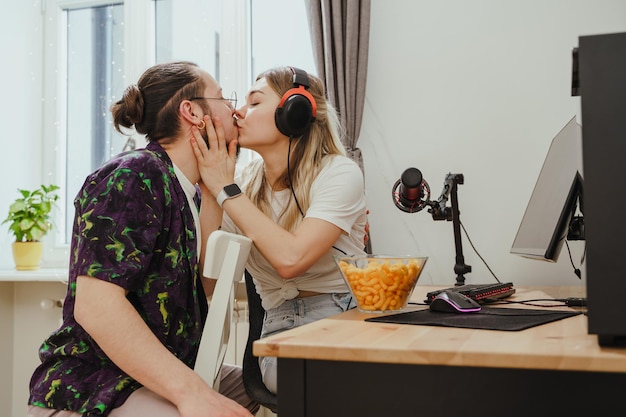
{"x": 344, "y": 366}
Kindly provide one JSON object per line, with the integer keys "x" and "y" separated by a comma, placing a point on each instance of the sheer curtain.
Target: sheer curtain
{"x": 340, "y": 35}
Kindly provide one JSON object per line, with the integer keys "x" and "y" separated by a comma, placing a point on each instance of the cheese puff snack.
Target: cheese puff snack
{"x": 382, "y": 284}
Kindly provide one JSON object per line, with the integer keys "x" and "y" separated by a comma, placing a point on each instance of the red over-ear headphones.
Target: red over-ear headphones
{"x": 297, "y": 108}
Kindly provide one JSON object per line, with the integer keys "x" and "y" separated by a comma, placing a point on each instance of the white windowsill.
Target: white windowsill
{"x": 60, "y": 275}
{"x": 40, "y": 275}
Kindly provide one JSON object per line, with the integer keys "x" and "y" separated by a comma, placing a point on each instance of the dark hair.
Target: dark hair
{"x": 151, "y": 105}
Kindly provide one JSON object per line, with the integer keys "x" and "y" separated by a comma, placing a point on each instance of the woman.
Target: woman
{"x": 134, "y": 311}
{"x": 302, "y": 202}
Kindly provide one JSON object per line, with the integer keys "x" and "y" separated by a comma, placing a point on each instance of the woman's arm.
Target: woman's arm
{"x": 103, "y": 310}
{"x": 290, "y": 254}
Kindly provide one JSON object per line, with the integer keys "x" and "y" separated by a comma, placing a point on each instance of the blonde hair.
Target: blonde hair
{"x": 308, "y": 155}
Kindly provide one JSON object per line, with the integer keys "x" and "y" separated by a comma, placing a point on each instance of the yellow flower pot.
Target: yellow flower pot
{"x": 27, "y": 255}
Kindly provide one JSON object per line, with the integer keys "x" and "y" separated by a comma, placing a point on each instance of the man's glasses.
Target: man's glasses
{"x": 230, "y": 102}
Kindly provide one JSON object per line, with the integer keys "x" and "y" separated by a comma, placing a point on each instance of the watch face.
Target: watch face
{"x": 232, "y": 190}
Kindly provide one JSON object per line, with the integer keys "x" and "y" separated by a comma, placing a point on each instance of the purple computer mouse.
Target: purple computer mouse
{"x": 453, "y": 302}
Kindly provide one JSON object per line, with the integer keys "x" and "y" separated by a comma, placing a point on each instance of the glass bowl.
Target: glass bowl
{"x": 379, "y": 283}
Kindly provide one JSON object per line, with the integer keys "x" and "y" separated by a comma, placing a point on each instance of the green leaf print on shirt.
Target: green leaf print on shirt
{"x": 162, "y": 299}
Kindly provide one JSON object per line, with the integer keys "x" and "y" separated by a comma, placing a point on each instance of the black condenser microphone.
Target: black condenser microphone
{"x": 411, "y": 193}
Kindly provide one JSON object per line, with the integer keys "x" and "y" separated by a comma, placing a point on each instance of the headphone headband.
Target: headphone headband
{"x": 300, "y": 77}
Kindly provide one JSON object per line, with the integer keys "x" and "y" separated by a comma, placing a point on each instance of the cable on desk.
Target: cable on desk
{"x": 575, "y": 302}
{"x": 415, "y": 303}
{"x": 563, "y": 302}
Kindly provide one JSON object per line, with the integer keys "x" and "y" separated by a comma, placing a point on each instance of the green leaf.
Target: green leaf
{"x": 29, "y": 215}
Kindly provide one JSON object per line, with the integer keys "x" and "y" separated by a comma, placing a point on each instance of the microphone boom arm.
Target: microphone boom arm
{"x": 440, "y": 211}
{"x": 411, "y": 194}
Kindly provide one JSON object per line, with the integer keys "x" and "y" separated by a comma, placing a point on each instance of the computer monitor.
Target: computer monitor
{"x": 554, "y": 199}
{"x": 602, "y": 65}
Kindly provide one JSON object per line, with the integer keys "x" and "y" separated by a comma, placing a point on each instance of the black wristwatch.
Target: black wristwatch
{"x": 230, "y": 191}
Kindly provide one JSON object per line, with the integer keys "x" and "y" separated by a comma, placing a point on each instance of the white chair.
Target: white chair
{"x": 225, "y": 260}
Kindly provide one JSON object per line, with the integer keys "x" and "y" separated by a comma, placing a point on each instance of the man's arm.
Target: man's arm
{"x": 103, "y": 310}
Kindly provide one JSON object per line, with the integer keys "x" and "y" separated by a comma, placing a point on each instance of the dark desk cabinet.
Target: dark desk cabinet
{"x": 318, "y": 388}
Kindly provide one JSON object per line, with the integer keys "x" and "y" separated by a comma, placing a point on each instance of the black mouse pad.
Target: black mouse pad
{"x": 489, "y": 318}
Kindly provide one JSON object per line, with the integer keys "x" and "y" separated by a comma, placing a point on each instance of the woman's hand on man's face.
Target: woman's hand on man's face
{"x": 216, "y": 162}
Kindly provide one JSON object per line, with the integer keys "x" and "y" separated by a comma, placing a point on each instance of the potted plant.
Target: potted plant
{"x": 29, "y": 221}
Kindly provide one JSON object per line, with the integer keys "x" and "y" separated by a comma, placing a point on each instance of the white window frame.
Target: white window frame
{"x": 138, "y": 55}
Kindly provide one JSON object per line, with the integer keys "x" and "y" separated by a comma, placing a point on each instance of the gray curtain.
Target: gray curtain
{"x": 340, "y": 31}
{"x": 340, "y": 36}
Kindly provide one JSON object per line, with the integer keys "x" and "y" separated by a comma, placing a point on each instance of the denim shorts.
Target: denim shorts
{"x": 299, "y": 311}
{"x": 294, "y": 313}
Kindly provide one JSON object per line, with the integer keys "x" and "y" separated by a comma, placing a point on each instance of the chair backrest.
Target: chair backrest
{"x": 252, "y": 379}
{"x": 225, "y": 260}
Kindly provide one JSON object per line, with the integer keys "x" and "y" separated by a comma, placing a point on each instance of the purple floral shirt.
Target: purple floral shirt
{"x": 133, "y": 227}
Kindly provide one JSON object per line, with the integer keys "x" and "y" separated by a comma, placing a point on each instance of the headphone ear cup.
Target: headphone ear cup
{"x": 295, "y": 114}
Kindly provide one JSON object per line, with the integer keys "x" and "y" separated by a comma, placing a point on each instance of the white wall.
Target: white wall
{"x": 21, "y": 28}
{"x": 476, "y": 87}
{"x": 479, "y": 88}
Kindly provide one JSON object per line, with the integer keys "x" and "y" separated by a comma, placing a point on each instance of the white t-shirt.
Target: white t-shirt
{"x": 337, "y": 196}
{"x": 190, "y": 193}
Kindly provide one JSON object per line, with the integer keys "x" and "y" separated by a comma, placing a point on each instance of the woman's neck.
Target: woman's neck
{"x": 272, "y": 177}
{"x": 274, "y": 166}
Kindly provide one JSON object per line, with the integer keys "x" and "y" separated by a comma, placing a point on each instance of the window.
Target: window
{"x": 92, "y": 54}
{"x": 95, "y": 74}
